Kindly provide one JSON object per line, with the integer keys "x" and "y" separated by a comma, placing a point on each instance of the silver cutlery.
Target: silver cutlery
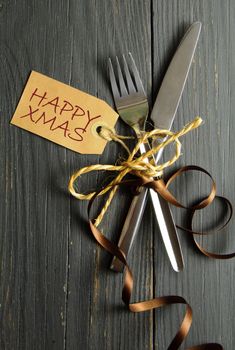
{"x": 162, "y": 115}
{"x": 132, "y": 105}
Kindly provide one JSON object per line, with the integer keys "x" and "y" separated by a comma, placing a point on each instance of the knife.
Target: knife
{"x": 163, "y": 115}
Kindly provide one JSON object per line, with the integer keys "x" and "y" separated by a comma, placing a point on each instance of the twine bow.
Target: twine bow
{"x": 135, "y": 164}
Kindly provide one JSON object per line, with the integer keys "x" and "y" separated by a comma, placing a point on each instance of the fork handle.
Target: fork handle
{"x": 130, "y": 227}
{"x": 165, "y": 222}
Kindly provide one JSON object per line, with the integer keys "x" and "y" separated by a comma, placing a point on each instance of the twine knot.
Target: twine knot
{"x": 143, "y": 166}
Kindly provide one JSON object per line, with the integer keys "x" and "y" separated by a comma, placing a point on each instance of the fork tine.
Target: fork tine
{"x": 139, "y": 85}
{"x": 115, "y": 90}
{"x": 129, "y": 81}
{"x": 122, "y": 84}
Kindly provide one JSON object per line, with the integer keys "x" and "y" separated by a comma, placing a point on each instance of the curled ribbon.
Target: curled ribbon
{"x": 146, "y": 173}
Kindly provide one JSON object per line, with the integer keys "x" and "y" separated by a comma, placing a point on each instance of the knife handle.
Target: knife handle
{"x": 165, "y": 222}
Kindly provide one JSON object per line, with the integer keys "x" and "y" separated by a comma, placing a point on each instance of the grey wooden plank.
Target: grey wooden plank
{"x": 100, "y": 319}
{"x": 206, "y": 284}
{"x": 47, "y": 37}
{"x": 35, "y": 210}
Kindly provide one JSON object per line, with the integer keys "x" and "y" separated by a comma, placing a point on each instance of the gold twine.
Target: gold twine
{"x": 134, "y": 164}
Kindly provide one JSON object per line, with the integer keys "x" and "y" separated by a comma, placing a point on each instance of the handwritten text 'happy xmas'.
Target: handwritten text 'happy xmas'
{"x": 59, "y": 107}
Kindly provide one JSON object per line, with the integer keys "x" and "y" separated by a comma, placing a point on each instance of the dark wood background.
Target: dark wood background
{"x": 56, "y": 289}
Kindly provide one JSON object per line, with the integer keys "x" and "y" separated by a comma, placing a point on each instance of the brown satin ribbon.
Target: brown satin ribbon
{"x": 162, "y": 189}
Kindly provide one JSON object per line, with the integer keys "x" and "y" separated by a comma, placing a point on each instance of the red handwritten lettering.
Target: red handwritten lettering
{"x": 41, "y": 97}
{"x": 90, "y": 119}
{"x": 30, "y": 114}
{"x": 75, "y": 114}
{"x": 54, "y": 102}
{"x": 63, "y": 126}
{"x": 76, "y": 130}
{"x": 64, "y": 109}
{"x": 44, "y": 121}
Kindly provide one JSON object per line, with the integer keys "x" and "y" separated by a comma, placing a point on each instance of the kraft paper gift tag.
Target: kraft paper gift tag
{"x": 63, "y": 114}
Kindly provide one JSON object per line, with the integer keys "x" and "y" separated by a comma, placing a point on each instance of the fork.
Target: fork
{"x": 132, "y": 105}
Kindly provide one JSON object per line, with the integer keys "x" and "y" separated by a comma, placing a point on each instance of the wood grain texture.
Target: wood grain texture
{"x": 56, "y": 291}
{"x": 209, "y": 92}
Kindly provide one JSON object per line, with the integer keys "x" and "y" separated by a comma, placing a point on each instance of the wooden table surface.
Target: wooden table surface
{"x": 56, "y": 289}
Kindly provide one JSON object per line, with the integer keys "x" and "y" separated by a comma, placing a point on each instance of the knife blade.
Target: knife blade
{"x": 163, "y": 115}
{"x": 170, "y": 92}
